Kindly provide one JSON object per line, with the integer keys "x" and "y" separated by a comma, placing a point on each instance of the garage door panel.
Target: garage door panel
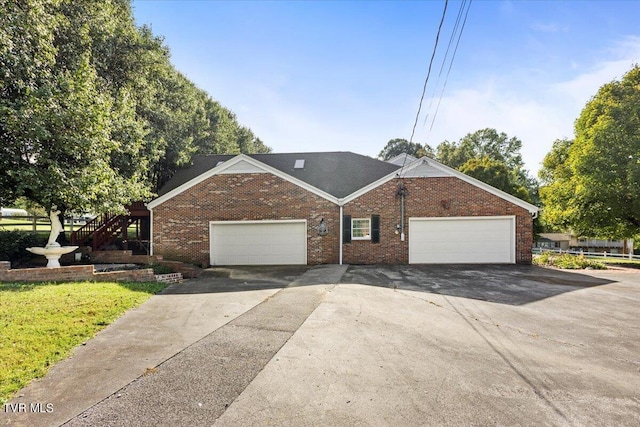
{"x": 462, "y": 240}
{"x": 258, "y": 242}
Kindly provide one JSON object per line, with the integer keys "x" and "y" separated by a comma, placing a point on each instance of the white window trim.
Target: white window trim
{"x": 353, "y": 221}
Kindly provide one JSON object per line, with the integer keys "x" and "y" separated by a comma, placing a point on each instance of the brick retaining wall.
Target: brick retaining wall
{"x": 71, "y": 273}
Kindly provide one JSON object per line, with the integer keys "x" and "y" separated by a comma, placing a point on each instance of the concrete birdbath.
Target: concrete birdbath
{"x": 53, "y": 251}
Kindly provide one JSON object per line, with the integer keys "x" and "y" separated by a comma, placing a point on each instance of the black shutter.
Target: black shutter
{"x": 346, "y": 229}
{"x": 375, "y": 228}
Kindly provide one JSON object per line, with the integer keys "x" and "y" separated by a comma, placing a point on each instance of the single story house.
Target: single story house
{"x": 335, "y": 207}
{"x": 571, "y": 242}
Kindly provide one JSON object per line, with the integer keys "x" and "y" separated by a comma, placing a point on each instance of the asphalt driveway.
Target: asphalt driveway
{"x": 403, "y": 345}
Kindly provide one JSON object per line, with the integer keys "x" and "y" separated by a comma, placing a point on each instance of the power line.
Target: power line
{"x": 424, "y": 88}
{"x": 450, "y": 64}
{"x": 444, "y": 60}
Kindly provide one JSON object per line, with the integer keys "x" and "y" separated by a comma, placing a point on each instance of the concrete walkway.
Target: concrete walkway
{"x": 133, "y": 372}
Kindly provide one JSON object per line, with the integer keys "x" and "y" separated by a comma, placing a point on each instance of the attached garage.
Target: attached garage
{"x": 458, "y": 240}
{"x": 258, "y": 242}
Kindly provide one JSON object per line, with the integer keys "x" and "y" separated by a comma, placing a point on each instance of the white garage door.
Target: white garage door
{"x": 258, "y": 242}
{"x": 462, "y": 240}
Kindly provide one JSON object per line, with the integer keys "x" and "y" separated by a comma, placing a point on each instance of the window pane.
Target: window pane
{"x": 361, "y": 229}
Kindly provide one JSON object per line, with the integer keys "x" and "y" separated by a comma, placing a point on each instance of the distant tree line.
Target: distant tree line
{"x": 93, "y": 115}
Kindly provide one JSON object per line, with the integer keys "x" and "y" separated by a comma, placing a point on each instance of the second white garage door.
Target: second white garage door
{"x": 462, "y": 240}
{"x": 258, "y": 242}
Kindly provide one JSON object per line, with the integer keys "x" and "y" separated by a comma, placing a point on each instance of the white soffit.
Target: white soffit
{"x": 242, "y": 167}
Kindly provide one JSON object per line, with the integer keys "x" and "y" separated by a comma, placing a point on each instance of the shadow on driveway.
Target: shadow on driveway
{"x": 504, "y": 284}
{"x": 240, "y": 279}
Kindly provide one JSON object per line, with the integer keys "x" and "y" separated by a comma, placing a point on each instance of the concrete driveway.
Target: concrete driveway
{"x": 396, "y": 345}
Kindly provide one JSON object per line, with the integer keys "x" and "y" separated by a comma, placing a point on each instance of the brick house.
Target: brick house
{"x": 335, "y": 207}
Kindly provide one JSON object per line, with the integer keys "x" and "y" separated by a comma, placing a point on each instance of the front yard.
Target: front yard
{"x": 41, "y": 323}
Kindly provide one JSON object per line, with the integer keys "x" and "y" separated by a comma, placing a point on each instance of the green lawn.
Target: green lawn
{"x": 41, "y": 323}
{"x": 623, "y": 262}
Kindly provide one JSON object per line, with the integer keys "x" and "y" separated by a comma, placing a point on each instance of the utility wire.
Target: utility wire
{"x": 450, "y": 65}
{"x": 424, "y": 88}
{"x": 444, "y": 60}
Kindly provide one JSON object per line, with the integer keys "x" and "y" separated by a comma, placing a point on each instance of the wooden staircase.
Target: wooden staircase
{"x": 104, "y": 230}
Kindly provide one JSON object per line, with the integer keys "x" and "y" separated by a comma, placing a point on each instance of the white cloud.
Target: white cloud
{"x": 536, "y": 113}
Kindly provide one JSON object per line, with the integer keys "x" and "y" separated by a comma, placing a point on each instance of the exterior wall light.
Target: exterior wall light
{"x": 322, "y": 228}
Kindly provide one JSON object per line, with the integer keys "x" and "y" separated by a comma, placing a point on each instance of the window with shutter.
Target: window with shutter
{"x": 346, "y": 229}
{"x": 375, "y": 228}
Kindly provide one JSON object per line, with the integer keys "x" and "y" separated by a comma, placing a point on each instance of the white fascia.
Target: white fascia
{"x": 230, "y": 163}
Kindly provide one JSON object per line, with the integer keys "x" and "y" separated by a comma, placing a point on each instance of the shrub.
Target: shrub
{"x": 161, "y": 269}
{"x": 13, "y": 245}
{"x": 568, "y": 261}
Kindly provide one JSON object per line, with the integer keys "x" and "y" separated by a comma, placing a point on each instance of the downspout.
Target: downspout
{"x": 341, "y": 235}
{"x": 402, "y": 192}
{"x": 150, "y": 231}
{"x": 402, "y": 215}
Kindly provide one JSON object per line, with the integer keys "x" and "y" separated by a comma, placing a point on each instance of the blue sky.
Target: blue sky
{"x": 347, "y": 76}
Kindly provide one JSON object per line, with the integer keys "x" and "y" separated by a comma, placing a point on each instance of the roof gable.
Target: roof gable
{"x": 336, "y": 176}
{"x": 426, "y": 165}
{"x": 331, "y": 175}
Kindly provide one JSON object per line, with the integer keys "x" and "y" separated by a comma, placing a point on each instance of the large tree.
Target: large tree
{"x": 64, "y": 138}
{"x": 556, "y": 186}
{"x": 596, "y": 191}
{"x": 93, "y": 115}
{"x": 398, "y": 146}
{"x": 492, "y": 157}
{"x": 497, "y": 174}
{"x": 486, "y": 155}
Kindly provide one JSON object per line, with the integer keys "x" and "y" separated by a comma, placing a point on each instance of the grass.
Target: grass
{"x": 41, "y": 323}
{"x": 628, "y": 263}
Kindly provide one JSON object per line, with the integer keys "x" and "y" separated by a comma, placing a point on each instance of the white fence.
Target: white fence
{"x": 588, "y": 254}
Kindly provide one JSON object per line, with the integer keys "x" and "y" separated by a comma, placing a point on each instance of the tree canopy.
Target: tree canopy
{"x": 592, "y": 184}
{"x": 398, "y": 146}
{"x": 491, "y": 157}
{"x": 486, "y": 155}
{"x": 93, "y": 115}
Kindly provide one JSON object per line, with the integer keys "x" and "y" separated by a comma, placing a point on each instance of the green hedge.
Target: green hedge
{"x": 13, "y": 245}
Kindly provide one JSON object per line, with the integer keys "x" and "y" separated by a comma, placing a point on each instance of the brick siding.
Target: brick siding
{"x": 427, "y": 197}
{"x": 71, "y": 273}
{"x": 181, "y": 224}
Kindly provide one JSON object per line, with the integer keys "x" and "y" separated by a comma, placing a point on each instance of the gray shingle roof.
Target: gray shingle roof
{"x": 337, "y": 173}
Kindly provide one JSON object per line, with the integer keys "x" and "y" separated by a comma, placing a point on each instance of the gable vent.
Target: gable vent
{"x": 299, "y": 164}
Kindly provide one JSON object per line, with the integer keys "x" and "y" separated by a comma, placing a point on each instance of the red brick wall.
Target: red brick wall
{"x": 72, "y": 273}
{"x": 432, "y": 197}
{"x": 181, "y": 224}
